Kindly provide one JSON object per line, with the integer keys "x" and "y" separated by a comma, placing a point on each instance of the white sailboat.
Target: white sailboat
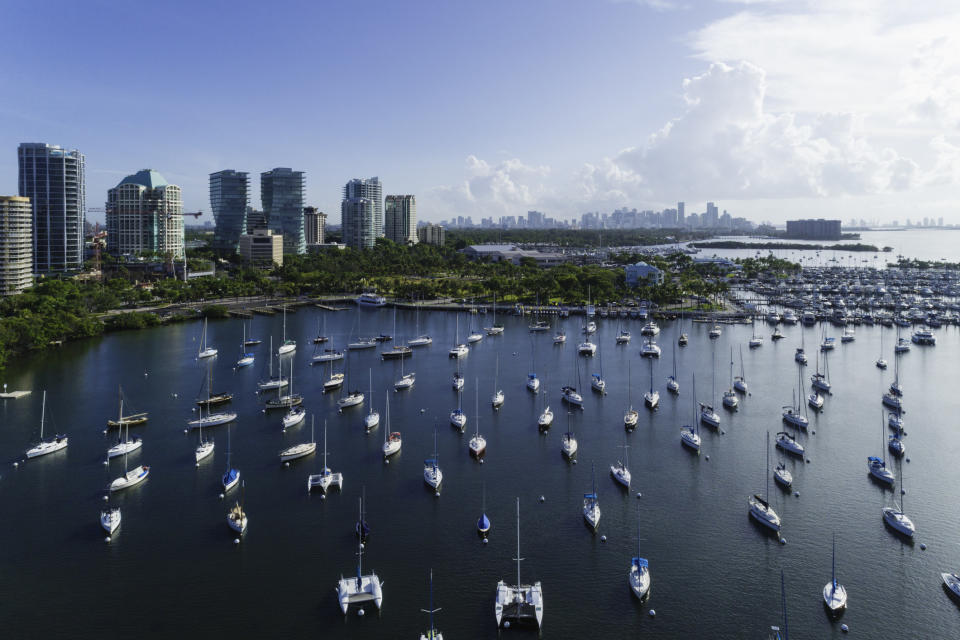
{"x": 477, "y": 444}
{"x": 45, "y": 447}
{"x": 271, "y": 382}
{"x": 287, "y": 346}
{"x": 458, "y": 380}
{"x": 495, "y": 329}
{"x": 621, "y": 471}
{"x": 110, "y": 519}
{"x": 432, "y": 474}
{"x": 690, "y": 434}
{"x": 432, "y": 633}
{"x": 591, "y": 504}
{"x": 421, "y": 340}
{"x": 631, "y": 415}
{"x": 205, "y": 351}
{"x": 881, "y": 362}
{"x": 372, "y": 419}
{"x": 392, "y": 440}
{"x": 834, "y": 593}
{"x": 362, "y": 588}
{"x": 533, "y": 382}
{"x": 459, "y": 349}
{"x": 301, "y": 450}
{"x": 351, "y": 399}
{"x": 639, "y": 575}
{"x": 124, "y": 444}
{"x": 326, "y": 478}
{"x": 652, "y": 397}
{"x": 474, "y": 336}
{"x": 497, "y": 398}
{"x": 546, "y": 416}
{"x": 740, "y": 382}
{"x": 597, "y": 381}
{"x": 821, "y": 381}
{"x": 130, "y": 478}
{"x": 519, "y": 602}
{"x": 570, "y": 395}
{"x": 246, "y": 357}
{"x": 673, "y": 384}
{"x": 896, "y": 518}
{"x": 793, "y": 414}
{"x": 568, "y": 444}
{"x": 237, "y": 515}
{"x": 708, "y": 416}
{"x": 878, "y": 466}
{"x": 457, "y": 417}
{"x": 782, "y": 475}
{"x": 296, "y": 413}
{"x": 405, "y": 382}
{"x": 730, "y": 399}
{"x": 760, "y": 509}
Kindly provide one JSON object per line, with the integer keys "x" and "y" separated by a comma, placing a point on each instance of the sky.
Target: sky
{"x": 772, "y": 109}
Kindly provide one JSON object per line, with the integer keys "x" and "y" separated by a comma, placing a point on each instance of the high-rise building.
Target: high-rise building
{"x": 680, "y": 214}
{"x": 357, "y": 218}
{"x": 145, "y": 215}
{"x": 263, "y": 248}
{"x": 281, "y": 192}
{"x": 372, "y": 190}
{"x": 314, "y": 225}
{"x": 256, "y": 219}
{"x": 400, "y": 219}
{"x": 229, "y": 198}
{"x": 431, "y": 234}
{"x": 818, "y": 229}
{"x": 53, "y": 179}
{"x": 16, "y": 245}
{"x": 712, "y": 214}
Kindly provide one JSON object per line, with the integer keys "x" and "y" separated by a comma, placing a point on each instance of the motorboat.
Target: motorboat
{"x": 714, "y": 332}
{"x": 587, "y": 348}
{"x": 923, "y": 337}
{"x": 459, "y": 351}
{"x": 539, "y": 326}
{"x": 371, "y": 299}
{"x": 650, "y": 329}
{"x": 951, "y": 581}
{"x": 559, "y": 338}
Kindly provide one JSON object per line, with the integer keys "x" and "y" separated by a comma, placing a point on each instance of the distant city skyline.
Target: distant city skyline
{"x": 732, "y": 101}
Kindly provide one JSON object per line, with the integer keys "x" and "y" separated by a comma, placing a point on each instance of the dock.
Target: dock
{"x": 13, "y": 395}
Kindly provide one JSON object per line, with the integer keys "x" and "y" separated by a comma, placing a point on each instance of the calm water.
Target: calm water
{"x": 923, "y": 244}
{"x": 173, "y": 565}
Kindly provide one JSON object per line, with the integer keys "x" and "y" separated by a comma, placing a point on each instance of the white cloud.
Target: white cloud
{"x": 504, "y": 188}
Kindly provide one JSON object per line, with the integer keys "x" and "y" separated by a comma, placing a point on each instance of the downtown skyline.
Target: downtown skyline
{"x": 669, "y": 101}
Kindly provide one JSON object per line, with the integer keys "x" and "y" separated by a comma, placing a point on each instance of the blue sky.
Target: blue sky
{"x": 771, "y": 109}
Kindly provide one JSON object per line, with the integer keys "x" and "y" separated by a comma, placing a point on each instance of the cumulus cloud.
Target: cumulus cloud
{"x": 505, "y": 187}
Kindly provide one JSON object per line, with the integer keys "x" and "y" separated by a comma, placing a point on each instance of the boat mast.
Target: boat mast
{"x": 518, "y": 558}
{"x": 766, "y": 474}
{"x": 783, "y": 602}
{"x": 833, "y": 562}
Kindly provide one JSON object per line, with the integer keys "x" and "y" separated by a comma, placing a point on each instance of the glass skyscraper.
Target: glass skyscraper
{"x": 357, "y": 215}
{"x": 281, "y": 193}
{"x": 53, "y": 179}
{"x": 372, "y": 190}
{"x": 229, "y": 198}
{"x": 401, "y": 219}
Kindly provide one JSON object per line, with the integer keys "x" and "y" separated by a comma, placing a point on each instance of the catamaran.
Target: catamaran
{"x": 326, "y": 478}
{"x": 432, "y": 633}
{"x": 392, "y": 440}
{"x": 591, "y": 503}
{"x": 519, "y": 602}
{"x": 46, "y": 446}
{"x": 650, "y": 349}
{"x": 205, "y": 351}
{"x": 301, "y": 450}
{"x": 760, "y": 509}
{"x": 362, "y": 588}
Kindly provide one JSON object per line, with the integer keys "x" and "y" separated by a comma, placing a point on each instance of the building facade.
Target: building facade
{"x": 145, "y": 216}
{"x": 357, "y": 218}
{"x": 281, "y": 194}
{"x": 431, "y": 234}
{"x": 400, "y": 219}
{"x": 642, "y": 273}
{"x": 263, "y": 248}
{"x": 314, "y": 225}
{"x": 369, "y": 189}
{"x": 16, "y": 245}
{"x": 229, "y": 197}
{"x": 819, "y": 229}
{"x": 54, "y": 180}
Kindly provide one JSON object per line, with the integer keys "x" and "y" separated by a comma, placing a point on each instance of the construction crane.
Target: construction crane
{"x": 195, "y": 214}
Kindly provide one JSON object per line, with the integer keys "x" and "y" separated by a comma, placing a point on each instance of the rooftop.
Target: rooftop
{"x": 146, "y": 178}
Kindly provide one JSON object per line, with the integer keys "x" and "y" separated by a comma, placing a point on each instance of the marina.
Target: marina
{"x": 174, "y": 523}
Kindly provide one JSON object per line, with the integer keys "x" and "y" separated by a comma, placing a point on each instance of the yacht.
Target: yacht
{"x": 110, "y": 519}
{"x": 371, "y": 299}
{"x": 590, "y": 328}
{"x": 715, "y": 332}
{"x": 459, "y": 351}
{"x": 591, "y": 505}
{"x": 800, "y": 356}
{"x": 760, "y": 509}
{"x": 924, "y": 336}
{"x": 623, "y": 337}
{"x": 361, "y": 588}
{"x": 650, "y": 329}
{"x": 45, "y": 447}
{"x": 568, "y": 445}
{"x": 650, "y": 349}
{"x": 432, "y": 474}
{"x": 326, "y": 478}
{"x": 587, "y": 348}
{"x": 392, "y": 440}
{"x": 902, "y": 346}
{"x": 559, "y": 338}
{"x": 301, "y": 450}
{"x": 782, "y": 476}
{"x": 639, "y": 576}
{"x": 789, "y": 444}
{"x": 293, "y": 417}
{"x": 815, "y": 400}
{"x": 834, "y": 593}
{"x": 519, "y": 602}
{"x": 571, "y": 396}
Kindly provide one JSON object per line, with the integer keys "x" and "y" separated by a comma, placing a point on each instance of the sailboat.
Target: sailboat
{"x": 326, "y": 478}
{"x": 570, "y": 394}
{"x": 334, "y": 381}
{"x": 560, "y": 336}
{"x": 631, "y": 415}
{"x": 205, "y": 351}
{"x": 760, "y": 509}
{"x": 834, "y": 593}
{"x": 246, "y": 357}
{"x": 362, "y": 588}
{"x": 793, "y": 414}
{"x": 896, "y": 518}
{"x": 690, "y": 434}
{"x": 620, "y": 471}
{"x": 483, "y": 522}
{"x": 652, "y": 397}
{"x": 497, "y": 399}
{"x": 533, "y": 382}
{"x": 432, "y": 474}
{"x": 271, "y": 382}
{"x": 457, "y": 417}
{"x": 546, "y": 416}
{"x": 124, "y": 444}
{"x": 110, "y": 519}
{"x": 474, "y": 335}
{"x": 288, "y": 400}
{"x": 683, "y": 338}
{"x": 782, "y": 475}
{"x": 296, "y": 414}
{"x": 740, "y": 382}
{"x": 755, "y": 340}
{"x": 406, "y": 381}
{"x": 623, "y": 336}
{"x": 432, "y": 633}
{"x": 519, "y": 602}
{"x": 372, "y": 419}
{"x": 673, "y": 384}
{"x": 397, "y": 351}
{"x": 478, "y": 444}
{"x": 895, "y": 444}
{"x": 392, "y": 440}
{"x": 237, "y": 515}
{"x": 881, "y": 363}
{"x": 495, "y": 329}
{"x": 287, "y": 346}
{"x": 130, "y": 420}
{"x": 421, "y": 340}
{"x": 878, "y": 466}
{"x": 459, "y": 349}
{"x": 458, "y": 380}
{"x": 251, "y": 342}
{"x": 597, "y": 382}
{"x": 568, "y": 444}
{"x": 321, "y": 335}
{"x": 130, "y": 477}
{"x": 639, "y": 575}
{"x": 46, "y": 446}
{"x": 591, "y": 504}
{"x": 708, "y": 416}
{"x": 353, "y": 398}
{"x": 801, "y": 354}
{"x": 301, "y": 450}
{"x": 730, "y": 400}
{"x": 819, "y": 380}
{"x": 231, "y": 476}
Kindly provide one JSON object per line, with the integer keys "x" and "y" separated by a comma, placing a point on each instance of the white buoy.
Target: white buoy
{"x": 107, "y": 539}
{"x": 16, "y": 464}
{"x": 653, "y": 613}
{"x": 423, "y": 410}
{"x": 481, "y": 460}
{"x": 176, "y": 395}
{"x": 198, "y": 465}
{"x": 106, "y": 462}
{"x": 639, "y": 495}
{"x": 783, "y": 541}
{"x": 323, "y": 496}
{"x": 186, "y": 431}
{"x": 542, "y": 499}
{"x": 574, "y": 461}
{"x": 437, "y": 494}
{"x": 194, "y": 409}
{"x": 603, "y": 538}
{"x": 286, "y": 464}
{"x": 923, "y": 547}
{"x": 385, "y": 461}
{"x": 796, "y": 494}
{"x": 105, "y": 498}
{"x": 221, "y": 496}
{"x": 708, "y": 457}
{"x": 484, "y": 541}
{"x": 903, "y": 492}
{"x": 105, "y": 430}
{"x": 363, "y": 546}
{"x": 506, "y": 625}
{"x": 236, "y": 541}
{"x": 844, "y": 628}
{"x": 360, "y": 612}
